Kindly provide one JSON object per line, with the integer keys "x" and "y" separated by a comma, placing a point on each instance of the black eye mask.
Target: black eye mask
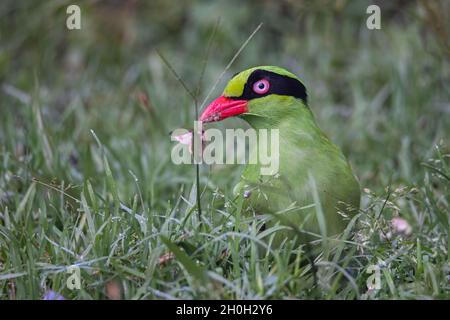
{"x": 282, "y": 85}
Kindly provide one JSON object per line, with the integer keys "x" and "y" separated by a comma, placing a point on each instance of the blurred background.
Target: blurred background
{"x": 381, "y": 95}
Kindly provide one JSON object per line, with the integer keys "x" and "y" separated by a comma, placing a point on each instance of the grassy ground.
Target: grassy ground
{"x": 85, "y": 171}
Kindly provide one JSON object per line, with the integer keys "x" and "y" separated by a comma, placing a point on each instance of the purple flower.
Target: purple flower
{"x": 52, "y": 295}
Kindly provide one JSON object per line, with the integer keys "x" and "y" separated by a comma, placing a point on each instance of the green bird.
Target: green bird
{"x": 314, "y": 189}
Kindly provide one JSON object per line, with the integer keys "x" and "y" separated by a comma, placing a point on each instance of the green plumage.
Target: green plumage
{"x": 314, "y": 181}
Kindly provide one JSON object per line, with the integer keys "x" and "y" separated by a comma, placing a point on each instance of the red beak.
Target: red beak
{"x": 222, "y": 108}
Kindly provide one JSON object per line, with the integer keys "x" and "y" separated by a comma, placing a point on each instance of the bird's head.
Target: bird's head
{"x": 260, "y": 92}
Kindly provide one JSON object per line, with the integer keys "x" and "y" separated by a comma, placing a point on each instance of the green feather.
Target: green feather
{"x": 310, "y": 164}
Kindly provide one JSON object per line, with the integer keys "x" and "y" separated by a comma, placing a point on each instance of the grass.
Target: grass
{"x": 85, "y": 171}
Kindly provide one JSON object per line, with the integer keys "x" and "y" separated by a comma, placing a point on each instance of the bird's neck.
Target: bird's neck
{"x": 294, "y": 120}
{"x": 299, "y": 139}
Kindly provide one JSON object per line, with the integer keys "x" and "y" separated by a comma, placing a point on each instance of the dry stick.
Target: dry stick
{"x": 194, "y": 97}
{"x": 55, "y": 189}
{"x": 177, "y": 77}
{"x": 202, "y": 72}
{"x": 230, "y": 63}
{"x": 213, "y": 88}
{"x": 389, "y": 193}
{"x": 197, "y": 93}
{"x": 206, "y": 58}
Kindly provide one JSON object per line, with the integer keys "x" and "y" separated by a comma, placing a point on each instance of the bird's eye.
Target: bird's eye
{"x": 261, "y": 86}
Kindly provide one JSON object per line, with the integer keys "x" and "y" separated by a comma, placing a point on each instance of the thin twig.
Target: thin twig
{"x": 55, "y": 189}
{"x": 179, "y": 79}
{"x": 197, "y": 92}
{"x": 205, "y": 60}
{"x": 230, "y": 63}
{"x": 389, "y": 193}
{"x": 194, "y": 96}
